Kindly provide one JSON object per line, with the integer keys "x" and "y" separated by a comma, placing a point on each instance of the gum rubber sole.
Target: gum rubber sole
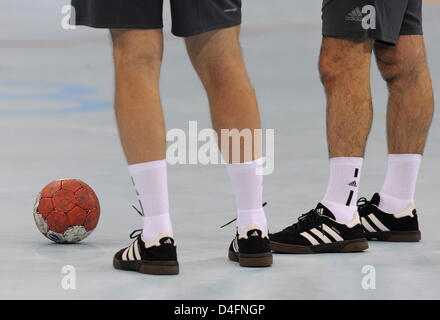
{"x": 395, "y": 236}
{"x": 347, "y": 246}
{"x": 148, "y": 267}
{"x": 252, "y": 260}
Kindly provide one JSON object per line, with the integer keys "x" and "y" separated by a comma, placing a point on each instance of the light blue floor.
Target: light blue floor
{"x": 56, "y": 121}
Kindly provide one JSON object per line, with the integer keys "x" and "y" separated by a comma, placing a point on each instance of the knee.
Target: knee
{"x": 130, "y": 52}
{"x": 219, "y": 72}
{"x": 344, "y": 61}
{"x": 216, "y": 56}
{"x": 329, "y": 71}
{"x": 395, "y": 70}
{"x": 126, "y": 55}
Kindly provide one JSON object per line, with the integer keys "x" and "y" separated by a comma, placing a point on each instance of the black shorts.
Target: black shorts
{"x": 382, "y": 20}
{"x": 190, "y": 17}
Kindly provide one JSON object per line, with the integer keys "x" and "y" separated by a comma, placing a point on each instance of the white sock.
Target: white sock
{"x": 150, "y": 182}
{"x": 343, "y": 186}
{"x": 248, "y": 189}
{"x": 400, "y": 183}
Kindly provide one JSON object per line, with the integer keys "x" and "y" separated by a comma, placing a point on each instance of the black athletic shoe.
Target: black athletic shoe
{"x": 251, "y": 250}
{"x": 160, "y": 259}
{"x": 396, "y": 227}
{"x": 318, "y": 232}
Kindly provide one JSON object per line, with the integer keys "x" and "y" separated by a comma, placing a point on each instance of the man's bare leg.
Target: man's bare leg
{"x": 404, "y": 67}
{"x": 345, "y": 73}
{"x": 344, "y": 67}
{"x": 138, "y": 58}
{"x": 411, "y": 103}
{"x": 218, "y": 60}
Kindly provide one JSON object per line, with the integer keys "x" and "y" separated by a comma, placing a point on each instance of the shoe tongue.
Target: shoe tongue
{"x": 167, "y": 240}
{"x": 254, "y": 233}
{"x": 324, "y": 211}
{"x": 375, "y": 200}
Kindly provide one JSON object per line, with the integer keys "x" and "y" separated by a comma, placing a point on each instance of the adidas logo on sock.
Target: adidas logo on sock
{"x": 354, "y": 15}
{"x": 320, "y": 211}
{"x": 353, "y": 184}
{"x": 255, "y": 234}
{"x": 168, "y": 241}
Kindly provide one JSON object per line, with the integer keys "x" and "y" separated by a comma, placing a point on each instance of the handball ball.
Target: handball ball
{"x": 66, "y": 211}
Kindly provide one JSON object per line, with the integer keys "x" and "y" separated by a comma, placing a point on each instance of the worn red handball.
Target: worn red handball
{"x": 66, "y": 211}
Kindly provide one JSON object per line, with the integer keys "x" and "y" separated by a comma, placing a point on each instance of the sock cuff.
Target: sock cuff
{"x": 384, "y": 196}
{"x": 355, "y": 161}
{"x": 158, "y": 218}
{"x": 139, "y": 167}
{"x": 407, "y": 157}
{"x": 245, "y": 218}
{"x": 251, "y": 212}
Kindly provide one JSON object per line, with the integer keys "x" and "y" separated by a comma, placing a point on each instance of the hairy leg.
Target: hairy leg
{"x": 345, "y": 73}
{"x": 138, "y": 58}
{"x": 410, "y": 112}
{"x": 411, "y": 102}
{"x": 218, "y": 60}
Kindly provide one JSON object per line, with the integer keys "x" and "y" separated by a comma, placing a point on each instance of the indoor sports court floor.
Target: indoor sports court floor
{"x": 56, "y": 121}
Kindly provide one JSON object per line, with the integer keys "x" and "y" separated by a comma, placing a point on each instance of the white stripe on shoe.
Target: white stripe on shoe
{"x": 124, "y": 255}
{"x": 130, "y": 253}
{"x": 320, "y": 235}
{"x": 377, "y": 222}
{"x": 310, "y": 238}
{"x": 136, "y": 250}
{"x": 367, "y": 225}
{"x": 235, "y": 245}
{"x": 332, "y": 233}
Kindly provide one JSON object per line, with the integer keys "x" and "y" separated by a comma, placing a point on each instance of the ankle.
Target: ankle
{"x": 391, "y": 204}
{"x": 251, "y": 219}
{"x": 343, "y": 214}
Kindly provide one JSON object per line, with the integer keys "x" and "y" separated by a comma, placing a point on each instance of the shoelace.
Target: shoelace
{"x": 136, "y": 233}
{"x": 311, "y": 218}
{"x": 264, "y": 204}
{"x": 363, "y": 203}
{"x": 141, "y": 212}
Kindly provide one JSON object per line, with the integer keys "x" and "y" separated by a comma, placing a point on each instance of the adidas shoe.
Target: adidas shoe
{"x": 154, "y": 258}
{"x": 385, "y": 226}
{"x": 318, "y": 232}
{"x": 251, "y": 249}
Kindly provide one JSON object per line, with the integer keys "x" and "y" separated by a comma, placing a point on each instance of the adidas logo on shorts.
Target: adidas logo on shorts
{"x": 355, "y": 15}
{"x": 366, "y": 16}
